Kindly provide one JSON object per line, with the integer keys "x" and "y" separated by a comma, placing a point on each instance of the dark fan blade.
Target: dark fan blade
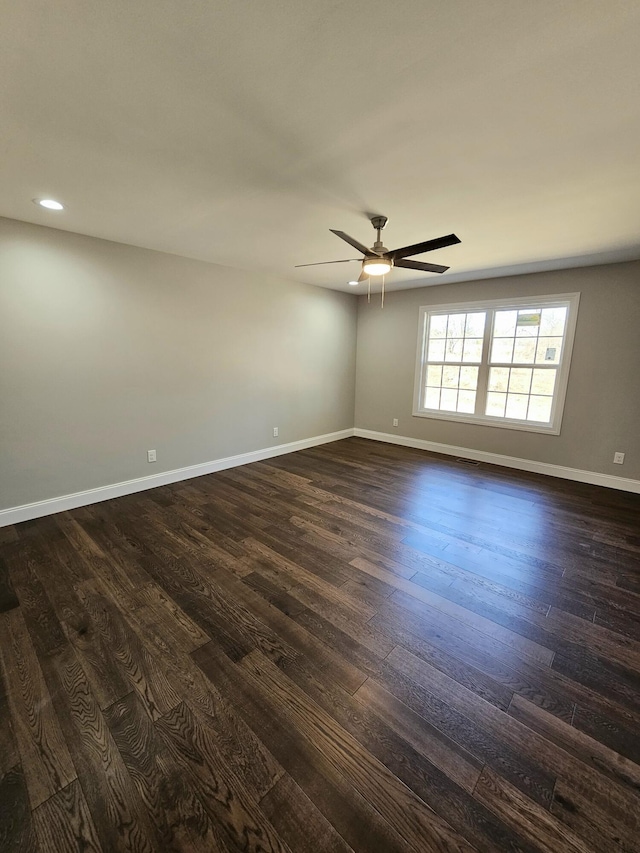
{"x": 427, "y": 246}
{"x": 417, "y": 265}
{"x": 320, "y": 263}
{"x": 351, "y": 241}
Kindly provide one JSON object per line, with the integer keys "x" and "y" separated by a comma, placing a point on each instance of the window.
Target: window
{"x": 501, "y": 363}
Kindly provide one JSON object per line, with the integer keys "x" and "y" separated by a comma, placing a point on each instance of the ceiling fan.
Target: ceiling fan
{"x": 378, "y": 260}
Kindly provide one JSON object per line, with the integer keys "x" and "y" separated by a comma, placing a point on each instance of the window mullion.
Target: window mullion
{"x": 483, "y": 371}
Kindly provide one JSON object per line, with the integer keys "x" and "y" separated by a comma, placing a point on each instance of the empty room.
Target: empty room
{"x": 319, "y": 426}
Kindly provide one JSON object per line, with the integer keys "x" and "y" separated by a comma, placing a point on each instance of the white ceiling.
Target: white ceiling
{"x": 240, "y": 131}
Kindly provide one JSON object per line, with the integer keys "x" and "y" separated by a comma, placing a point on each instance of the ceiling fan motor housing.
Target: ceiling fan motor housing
{"x": 378, "y": 223}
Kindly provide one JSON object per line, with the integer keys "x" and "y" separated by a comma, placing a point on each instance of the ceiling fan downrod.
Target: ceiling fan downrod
{"x": 378, "y": 223}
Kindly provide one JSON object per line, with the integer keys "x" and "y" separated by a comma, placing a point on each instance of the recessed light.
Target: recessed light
{"x": 49, "y": 203}
{"x": 353, "y": 283}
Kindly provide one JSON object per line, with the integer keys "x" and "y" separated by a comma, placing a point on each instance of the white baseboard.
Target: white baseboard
{"x": 609, "y": 480}
{"x": 16, "y": 514}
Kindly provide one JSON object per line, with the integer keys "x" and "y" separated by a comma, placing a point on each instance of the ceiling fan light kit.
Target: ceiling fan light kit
{"x": 376, "y": 266}
{"x": 378, "y": 260}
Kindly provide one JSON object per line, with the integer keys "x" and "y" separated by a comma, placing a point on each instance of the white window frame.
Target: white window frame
{"x": 571, "y": 300}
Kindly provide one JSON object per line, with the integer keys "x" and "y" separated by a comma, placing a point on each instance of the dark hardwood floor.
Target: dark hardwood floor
{"x": 357, "y": 647}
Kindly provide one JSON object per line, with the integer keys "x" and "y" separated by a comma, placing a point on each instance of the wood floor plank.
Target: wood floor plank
{"x": 35, "y": 605}
{"x": 137, "y": 665}
{"x": 618, "y": 736}
{"x": 292, "y": 640}
{"x": 571, "y": 739}
{"x": 614, "y": 681}
{"x": 549, "y": 834}
{"x": 46, "y": 763}
{"x": 175, "y": 621}
{"x": 9, "y": 755}
{"x": 437, "y": 713}
{"x": 513, "y": 733}
{"x": 333, "y": 604}
{"x": 298, "y": 575}
{"x": 420, "y": 756}
{"x": 547, "y": 687}
{"x": 356, "y": 647}
{"x": 444, "y": 650}
{"x": 528, "y": 648}
{"x": 605, "y": 825}
{"x": 8, "y": 533}
{"x": 119, "y": 816}
{"x": 359, "y": 823}
{"x": 64, "y": 822}
{"x": 8, "y": 597}
{"x": 237, "y": 743}
{"x": 235, "y": 816}
{"x": 175, "y": 808}
{"x": 206, "y": 599}
{"x": 298, "y": 821}
{"x": 409, "y": 815}
{"x": 597, "y": 639}
{"x": 274, "y": 594}
{"x": 16, "y": 825}
{"x": 80, "y": 628}
{"x": 459, "y": 765}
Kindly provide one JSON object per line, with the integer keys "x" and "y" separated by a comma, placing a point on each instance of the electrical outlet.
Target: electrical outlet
{"x": 395, "y": 422}
{"x": 275, "y": 432}
{"x": 618, "y": 458}
{"x": 151, "y": 456}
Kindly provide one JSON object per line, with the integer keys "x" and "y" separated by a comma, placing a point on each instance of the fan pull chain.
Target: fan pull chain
{"x": 369, "y": 289}
{"x": 382, "y": 302}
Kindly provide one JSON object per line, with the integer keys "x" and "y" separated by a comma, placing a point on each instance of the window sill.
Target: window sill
{"x": 486, "y": 420}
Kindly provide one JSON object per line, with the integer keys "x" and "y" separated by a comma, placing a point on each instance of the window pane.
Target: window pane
{"x": 438, "y": 326}
{"x": 504, "y": 325}
{"x": 448, "y": 400}
{"x": 496, "y": 404}
{"x": 434, "y": 375}
{"x": 436, "y": 350}
{"x": 528, "y": 323}
{"x": 475, "y": 325}
{"x": 502, "y": 350}
{"x": 469, "y": 378}
{"x": 543, "y": 381}
{"x": 453, "y": 350}
{"x": 472, "y": 349}
{"x": 553, "y": 320}
{"x": 467, "y": 402}
{"x": 525, "y": 350}
{"x": 455, "y": 329}
{"x": 548, "y": 350}
{"x": 498, "y": 378}
{"x": 540, "y": 409}
{"x": 450, "y": 377}
{"x": 432, "y": 398}
{"x": 520, "y": 380}
{"x": 517, "y": 406}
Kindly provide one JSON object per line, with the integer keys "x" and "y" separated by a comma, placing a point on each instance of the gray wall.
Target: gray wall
{"x": 602, "y": 409}
{"x": 108, "y": 350}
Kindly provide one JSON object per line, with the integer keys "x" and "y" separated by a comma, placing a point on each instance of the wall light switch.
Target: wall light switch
{"x": 151, "y": 456}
